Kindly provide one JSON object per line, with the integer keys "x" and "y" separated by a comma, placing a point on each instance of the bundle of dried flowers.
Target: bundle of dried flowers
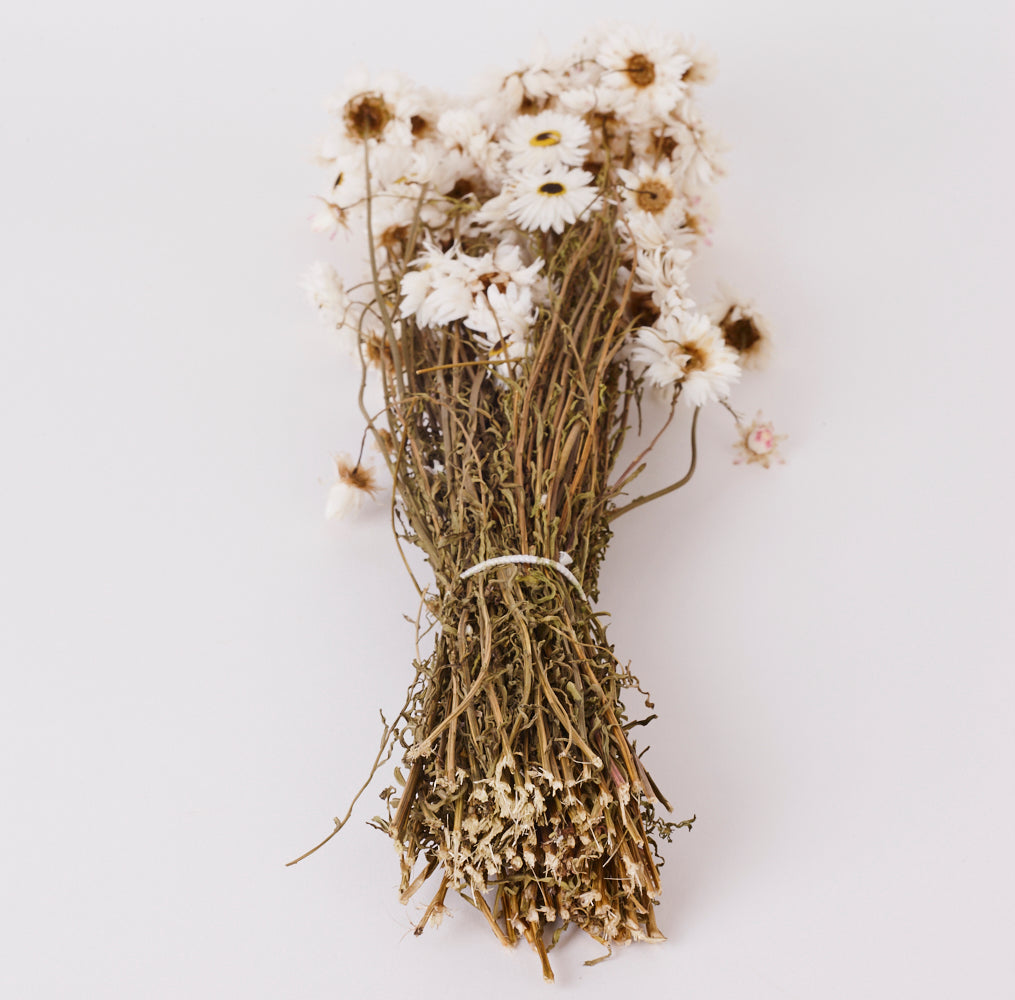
{"x": 527, "y": 287}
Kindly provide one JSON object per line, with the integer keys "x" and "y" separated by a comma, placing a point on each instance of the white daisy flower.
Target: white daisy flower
{"x": 493, "y": 213}
{"x": 662, "y": 356}
{"x": 642, "y": 74}
{"x": 711, "y": 367}
{"x": 662, "y": 273}
{"x": 443, "y": 287}
{"x": 327, "y": 293}
{"x": 579, "y": 101}
{"x": 689, "y": 350}
{"x": 387, "y": 109}
{"x": 547, "y": 140}
{"x": 434, "y": 290}
{"x": 551, "y": 200}
{"x": 346, "y": 179}
{"x": 697, "y": 150}
{"x": 463, "y": 130}
{"x": 641, "y": 232}
{"x": 704, "y": 63}
{"x": 502, "y": 313}
{"x": 327, "y": 217}
{"x": 652, "y": 190}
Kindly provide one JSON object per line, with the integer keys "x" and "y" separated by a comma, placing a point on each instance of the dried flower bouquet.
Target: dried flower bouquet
{"x": 527, "y": 289}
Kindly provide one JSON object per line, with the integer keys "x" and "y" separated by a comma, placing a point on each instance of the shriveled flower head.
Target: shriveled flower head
{"x": 354, "y": 484}
{"x": 366, "y": 116}
{"x": 744, "y": 329}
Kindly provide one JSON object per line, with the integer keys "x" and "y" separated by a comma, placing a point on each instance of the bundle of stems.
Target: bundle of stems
{"x": 523, "y": 783}
{"x": 516, "y": 311}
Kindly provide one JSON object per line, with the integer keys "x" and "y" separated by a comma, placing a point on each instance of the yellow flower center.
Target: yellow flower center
{"x": 552, "y": 188}
{"x": 550, "y": 138}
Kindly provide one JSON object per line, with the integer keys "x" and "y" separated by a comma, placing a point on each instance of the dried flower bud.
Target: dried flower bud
{"x": 758, "y": 443}
{"x": 355, "y": 482}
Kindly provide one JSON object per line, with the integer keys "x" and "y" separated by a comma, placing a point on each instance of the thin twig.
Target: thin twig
{"x": 617, "y": 511}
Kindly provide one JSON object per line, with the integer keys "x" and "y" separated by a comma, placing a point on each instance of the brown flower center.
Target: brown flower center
{"x": 741, "y": 334}
{"x": 366, "y": 117}
{"x": 419, "y": 126}
{"x": 552, "y": 188}
{"x": 641, "y": 71}
{"x": 696, "y": 357}
{"x": 697, "y": 224}
{"x": 653, "y": 196}
{"x": 462, "y": 189}
{"x": 393, "y": 238}
{"x": 665, "y": 146}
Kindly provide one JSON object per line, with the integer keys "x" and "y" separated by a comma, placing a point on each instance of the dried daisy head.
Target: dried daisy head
{"x": 366, "y": 116}
{"x": 355, "y": 483}
{"x": 743, "y": 328}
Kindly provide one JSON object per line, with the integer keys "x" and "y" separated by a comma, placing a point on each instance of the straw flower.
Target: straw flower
{"x": 689, "y": 350}
{"x": 642, "y": 75}
{"x": 547, "y": 140}
{"x": 354, "y": 484}
{"x": 757, "y": 443}
{"x": 551, "y": 200}
{"x": 743, "y": 327}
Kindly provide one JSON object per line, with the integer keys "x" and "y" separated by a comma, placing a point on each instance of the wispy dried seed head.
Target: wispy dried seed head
{"x": 357, "y": 475}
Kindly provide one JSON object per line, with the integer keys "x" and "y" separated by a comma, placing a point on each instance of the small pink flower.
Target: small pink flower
{"x": 762, "y": 440}
{"x": 759, "y": 443}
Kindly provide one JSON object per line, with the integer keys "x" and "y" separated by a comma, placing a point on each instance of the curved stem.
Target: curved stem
{"x": 673, "y": 486}
{"x": 626, "y": 476}
{"x": 378, "y": 763}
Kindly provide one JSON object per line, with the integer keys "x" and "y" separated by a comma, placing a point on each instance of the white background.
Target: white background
{"x": 193, "y": 658}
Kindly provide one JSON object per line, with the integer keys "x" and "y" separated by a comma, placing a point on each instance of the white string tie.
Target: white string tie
{"x": 561, "y": 565}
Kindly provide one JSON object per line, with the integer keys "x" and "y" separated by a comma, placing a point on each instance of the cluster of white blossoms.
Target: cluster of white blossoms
{"x": 464, "y": 200}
